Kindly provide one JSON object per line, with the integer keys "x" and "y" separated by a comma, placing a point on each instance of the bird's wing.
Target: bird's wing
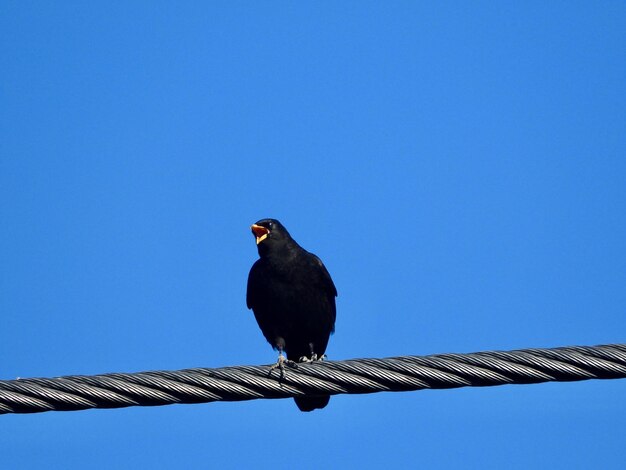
{"x": 252, "y": 293}
{"x": 328, "y": 286}
{"x": 327, "y": 281}
{"x": 257, "y": 300}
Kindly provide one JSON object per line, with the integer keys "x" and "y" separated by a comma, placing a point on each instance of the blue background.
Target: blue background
{"x": 459, "y": 167}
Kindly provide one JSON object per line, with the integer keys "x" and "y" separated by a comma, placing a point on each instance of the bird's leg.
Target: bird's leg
{"x": 280, "y": 363}
{"x": 313, "y": 355}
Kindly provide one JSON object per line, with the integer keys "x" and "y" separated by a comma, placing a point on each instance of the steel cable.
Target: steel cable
{"x": 394, "y": 374}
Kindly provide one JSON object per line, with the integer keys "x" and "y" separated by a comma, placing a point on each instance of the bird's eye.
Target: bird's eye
{"x": 270, "y": 225}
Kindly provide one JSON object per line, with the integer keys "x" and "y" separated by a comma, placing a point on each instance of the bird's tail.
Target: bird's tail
{"x": 312, "y": 403}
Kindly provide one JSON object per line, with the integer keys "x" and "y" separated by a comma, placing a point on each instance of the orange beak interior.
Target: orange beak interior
{"x": 259, "y": 232}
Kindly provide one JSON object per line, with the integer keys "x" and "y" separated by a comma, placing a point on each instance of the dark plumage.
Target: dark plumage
{"x": 292, "y": 297}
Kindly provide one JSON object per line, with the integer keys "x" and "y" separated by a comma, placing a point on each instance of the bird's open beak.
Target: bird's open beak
{"x": 260, "y": 233}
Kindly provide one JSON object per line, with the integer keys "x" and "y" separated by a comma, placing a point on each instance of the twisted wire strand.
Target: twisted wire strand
{"x": 394, "y": 374}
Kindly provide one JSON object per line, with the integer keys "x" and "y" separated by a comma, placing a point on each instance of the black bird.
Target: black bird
{"x": 293, "y": 299}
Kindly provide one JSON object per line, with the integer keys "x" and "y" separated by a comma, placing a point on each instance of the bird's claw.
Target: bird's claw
{"x": 280, "y": 364}
{"x": 313, "y": 358}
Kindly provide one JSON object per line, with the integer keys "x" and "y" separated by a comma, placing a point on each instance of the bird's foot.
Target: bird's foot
{"x": 280, "y": 364}
{"x": 313, "y": 358}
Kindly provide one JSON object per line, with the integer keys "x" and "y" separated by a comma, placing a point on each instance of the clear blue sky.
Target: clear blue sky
{"x": 459, "y": 167}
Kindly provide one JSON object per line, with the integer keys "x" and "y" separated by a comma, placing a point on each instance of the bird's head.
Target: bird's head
{"x": 269, "y": 233}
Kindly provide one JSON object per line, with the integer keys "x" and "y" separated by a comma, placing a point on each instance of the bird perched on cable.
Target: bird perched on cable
{"x": 293, "y": 299}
